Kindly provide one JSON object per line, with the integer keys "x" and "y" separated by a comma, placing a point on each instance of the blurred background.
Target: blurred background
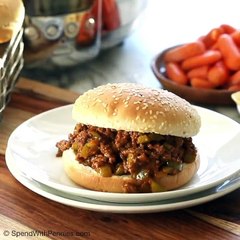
{"x": 152, "y": 26}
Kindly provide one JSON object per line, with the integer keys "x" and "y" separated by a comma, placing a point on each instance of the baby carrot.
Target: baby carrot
{"x": 110, "y": 15}
{"x": 218, "y": 74}
{"x": 175, "y": 73}
{"x": 235, "y": 78}
{"x": 200, "y": 72}
{"x": 183, "y": 52}
{"x": 201, "y": 83}
{"x": 230, "y": 51}
{"x": 227, "y": 28}
{"x": 236, "y": 37}
{"x": 208, "y": 57}
{"x": 214, "y": 46}
{"x": 211, "y": 38}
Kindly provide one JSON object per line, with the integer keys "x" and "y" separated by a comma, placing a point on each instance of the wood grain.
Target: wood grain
{"x": 221, "y": 223}
{"x": 41, "y": 90}
{"x": 24, "y": 210}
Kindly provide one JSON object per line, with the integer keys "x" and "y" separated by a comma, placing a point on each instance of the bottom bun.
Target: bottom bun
{"x": 88, "y": 178}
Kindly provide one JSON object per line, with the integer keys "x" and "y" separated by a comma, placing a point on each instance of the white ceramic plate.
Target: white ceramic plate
{"x": 32, "y": 146}
{"x": 102, "y": 206}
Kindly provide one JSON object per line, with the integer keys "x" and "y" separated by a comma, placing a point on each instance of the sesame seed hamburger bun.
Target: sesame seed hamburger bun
{"x": 12, "y": 14}
{"x": 132, "y": 107}
{"x": 130, "y": 138}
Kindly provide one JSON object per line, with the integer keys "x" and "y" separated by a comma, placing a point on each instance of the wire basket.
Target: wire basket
{"x": 11, "y": 64}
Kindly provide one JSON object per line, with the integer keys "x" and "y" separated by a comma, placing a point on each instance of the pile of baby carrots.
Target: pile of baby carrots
{"x": 212, "y": 61}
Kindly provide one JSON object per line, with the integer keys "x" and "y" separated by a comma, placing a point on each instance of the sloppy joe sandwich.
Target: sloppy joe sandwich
{"x": 131, "y": 138}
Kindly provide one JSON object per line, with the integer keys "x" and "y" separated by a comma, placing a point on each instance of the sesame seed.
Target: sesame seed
{"x": 136, "y": 102}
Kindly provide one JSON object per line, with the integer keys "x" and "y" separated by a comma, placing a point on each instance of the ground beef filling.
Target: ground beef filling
{"x": 145, "y": 156}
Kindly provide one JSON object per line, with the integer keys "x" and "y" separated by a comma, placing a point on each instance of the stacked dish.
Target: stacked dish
{"x": 31, "y": 151}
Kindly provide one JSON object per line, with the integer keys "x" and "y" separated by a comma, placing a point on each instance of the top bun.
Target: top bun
{"x": 132, "y": 107}
{"x": 12, "y": 14}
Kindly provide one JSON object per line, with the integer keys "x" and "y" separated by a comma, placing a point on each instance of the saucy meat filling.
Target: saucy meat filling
{"x": 144, "y": 156}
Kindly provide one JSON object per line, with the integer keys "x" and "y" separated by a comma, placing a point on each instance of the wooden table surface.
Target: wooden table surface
{"x": 22, "y": 211}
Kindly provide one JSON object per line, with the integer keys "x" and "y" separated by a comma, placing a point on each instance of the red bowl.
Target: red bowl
{"x": 193, "y": 95}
